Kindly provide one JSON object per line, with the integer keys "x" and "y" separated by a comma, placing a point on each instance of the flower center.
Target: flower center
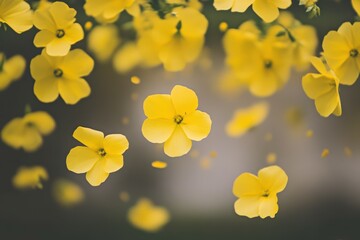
{"x": 354, "y": 53}
{"x": 266, "y": 193}
{"x": 178, "y": 119}
{"x": 60, "y": 33}
{"x": 58, "y": 73}
{"x": 102, "y": 152}
{"x": 268, "y": 64}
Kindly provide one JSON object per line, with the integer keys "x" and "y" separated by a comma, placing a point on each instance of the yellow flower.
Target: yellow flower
{"x": 58, "y": 30}
{"x": 258, "y": 194}
{"x": 67, "y": 193}
{"x": 106, "y": 12}
{"x": 61, "y": 75}
{"x": 17, "y": 14}
{"x": 148, "y": 217}
{"x": 102, "y": 41}
{"x": 11, "y": 69}
{"x": 27, "y": 132}
{"x": 265, "y": 9}
{"x": 323, "y": 88}
{"x": 246, "y": 119}
{"x": 174, "y": 120}
{"x": 30, "y": 177}
{"x": 43, "y": 4}
{"x": 342, "y": 52}
{"x": 356, "y": 6}
{"x": 99, "y": 157}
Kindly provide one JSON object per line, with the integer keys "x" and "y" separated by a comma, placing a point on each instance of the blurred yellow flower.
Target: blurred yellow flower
{"x": 61, "y": 75}
{"x": 174, "y": 120}
{"x": 27, "y": 132}
{"x": 30, "y": 177}
{"x": 67, "y": 193}
{"x": 11, "y": 69}
{"x": 356, "y": 6}
{"x": 258, "y": 194}
{"x": 127, "y": 58}
{"x": 323, "y": 87}
{"x": 99, "y": 157}
{"x": 102, "y": 41}
{"x": 148, "y": 217}
{"x": 342, "y": 52}
{"x": 58, "y": 30}
{"x": 17, "y": 14}
{"x": 265, "y": 9}
{"x": 246, "y": 119}
{"x": 106, "y": 12}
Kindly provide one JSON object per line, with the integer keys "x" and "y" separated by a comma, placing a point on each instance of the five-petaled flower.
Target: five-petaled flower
{"x": 61, "y": 75}
{"x": 58, "y": 30}
{"x": 99, "y": 157}
{"x": 174, "y": 120}
{"x": 258, "y": 194}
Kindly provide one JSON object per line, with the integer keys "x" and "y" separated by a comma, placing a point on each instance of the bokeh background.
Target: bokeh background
{"x": 321, "y": 201}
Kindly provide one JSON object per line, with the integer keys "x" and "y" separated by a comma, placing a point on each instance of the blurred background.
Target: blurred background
{"x": 322, "y": 198}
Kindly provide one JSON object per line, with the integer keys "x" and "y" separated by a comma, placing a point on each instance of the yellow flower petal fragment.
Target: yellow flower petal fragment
{"x": 11, "y": 69}
{"x": 99, "y": 157}
{"x": 148, "y": 217}
{"x": 246, "y": 119}
{"x": 27, "y": 132}
{"x": 325, "y": 153}
{"x": 17, "y": 14}
{"x": 107, "y": 12}
{"x": 159, "y": 164}
{"x": 135, "y": 80}
{"x": 67, "y": 193}
{"x": 30, "y": 177}
{"x": 257, "y": 195}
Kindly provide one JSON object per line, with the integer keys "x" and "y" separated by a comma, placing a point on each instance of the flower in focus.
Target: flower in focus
{"x": 11, "y": 69}
{"x": 148, "y": 217}
{"x": 99, "y": 157}
{"x": 30, "y": 177}
{"x": 61, "y": 75}
{"x": 356, "y": 6}
{"x": 342, "y": 52}
{"x": 58, "y": 30}
{"x": 265, "y": 9}
{"x": 102, "y": 41}
{"x": 106, "y": 12}
{"x": 17, "y": 14}
{"x": 27, "y": 132}
{"x": 323, "y": 87}
{"x": 246, "y": 119}
{"x": 174, "y": 120}
{"x": 67, "y": 193}
{"x": 258, "y": 194}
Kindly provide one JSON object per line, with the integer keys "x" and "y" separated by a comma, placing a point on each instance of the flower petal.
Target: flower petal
{"x": 77, "y": 64}
{"x": 115, "y": 144}
{"x": 248, "y": 206}
{"x": 247, "y": 185}
{"x": 46, "y": 90}
{"x": 113, "y": 163}
{"x": 327, "y": 103}
{"x": 223, "y": 4}
{"x": 43, "y": 38}
{"x": 184, "y": 99}
{"x": 241, "y": 5}
{"x": 31, "y": 138}
{"x": 42, "y": 121}
{"x": 316, "y": 85}
{"x": 197, "y": 125}
{"x": 273, "y": 179}
{"x": 158, "y": 130}
{"x": 348, "y": 72}
{"x": 266, "y": 10}
{"x": 97, "y": 174}
{"x": 268, "y": 207}
{"x": 89, "y": 137}
{"x": 73, "y": 90}
{"x": 159, "y": 106}
{"x": 81, "y": 159}
{"x": 178, "y": 144}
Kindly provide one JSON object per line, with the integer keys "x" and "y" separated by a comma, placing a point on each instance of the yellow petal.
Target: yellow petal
{"x": 62, "y": 15}
{"x": 316, "y": 85}
{"x": 73, "y": 90}
{"x": 327, "y": 103}
{"x": 77, "y": 64}
{"x": 81, "y": 159}
{"x": 247, "y": 206}
{"x": 113, "y": 163}
{"x": 356, "y": 6}
{"x": 196, "y": 125}
{"x": 178, "y": 144}
{"x": 266, "y": 10}
{"x": 268, "y": 207}
{"x": 158, "y": 130}
{"x": 336, "y": 49}
{"x": 42, "y": 121}
{"x": 15, "y": 66}
{"x": 43, "y": 20}
{"x": 247, "y": 185}
{"x": 32, "y": 139}
{"x": 223, "y": 4}
{"x": 241, "y": 5}
{"x": 193, "y": 23}
{"x": 17, "y": 14}
{"x": 89, "y": 137}
{"x": 46, "y": 90}
{"x": 41, "y": 68}
{"x": 58, "y": 47}
{"x": 273, "y": 179}
{"x": 115, "y": 144}
{"x": 348, "y": 72}
{"x": 11, "y": 134}
{"x": 184, "y": 99}
{"x": 159, "y": 106}
{"x": 97, "y": 174}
